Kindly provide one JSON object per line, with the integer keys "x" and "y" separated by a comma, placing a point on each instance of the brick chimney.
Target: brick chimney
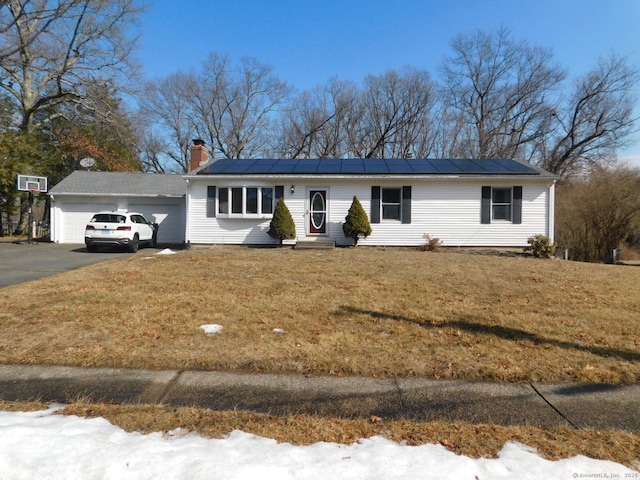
{"x": 199, "y": 154}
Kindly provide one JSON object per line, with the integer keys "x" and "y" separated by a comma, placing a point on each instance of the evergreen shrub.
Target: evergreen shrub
{"x": 540, "y": 246}
{"x": 282, "y": 226}
{"x": 356, "y": 224}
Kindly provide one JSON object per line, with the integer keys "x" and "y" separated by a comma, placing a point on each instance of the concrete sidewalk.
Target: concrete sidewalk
{"x": 544, "y": 405}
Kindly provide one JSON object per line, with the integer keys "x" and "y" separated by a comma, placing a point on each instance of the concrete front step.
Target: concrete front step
{"x": 315, "y": 245}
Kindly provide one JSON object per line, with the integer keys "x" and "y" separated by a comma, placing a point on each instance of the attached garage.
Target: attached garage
{"x": 160, "y": 198}
{"x": 74, "y": 216}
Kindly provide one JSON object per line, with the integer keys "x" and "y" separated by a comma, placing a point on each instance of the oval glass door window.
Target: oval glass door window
{"x": 318, "y": 211}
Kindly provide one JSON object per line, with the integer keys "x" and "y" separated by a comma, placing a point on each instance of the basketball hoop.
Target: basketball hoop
{"x": 32, "y": 183}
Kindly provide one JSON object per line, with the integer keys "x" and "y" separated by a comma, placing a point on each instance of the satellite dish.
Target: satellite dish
{"x": 87, "y": 162}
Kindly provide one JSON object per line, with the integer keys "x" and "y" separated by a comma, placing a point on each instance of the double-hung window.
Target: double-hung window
{"x": 391, "y": 203}
{"x": 501, "y": 204}
{"x": 245, "y": 201}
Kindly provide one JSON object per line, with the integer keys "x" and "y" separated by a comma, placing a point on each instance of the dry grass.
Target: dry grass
{"x": 464, "y": 439}
{"x": 363, "y": 311}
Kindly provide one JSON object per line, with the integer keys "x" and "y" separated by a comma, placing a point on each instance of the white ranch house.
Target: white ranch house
{"x": 464, "y": 203}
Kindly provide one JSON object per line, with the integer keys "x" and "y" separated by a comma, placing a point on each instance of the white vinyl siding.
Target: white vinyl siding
{"x": 447, "y": 209}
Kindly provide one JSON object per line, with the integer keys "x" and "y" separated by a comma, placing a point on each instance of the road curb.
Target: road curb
{"x": 542, "y": 405}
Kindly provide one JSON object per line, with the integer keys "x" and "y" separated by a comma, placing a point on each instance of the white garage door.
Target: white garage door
{"x": 75, "y": 217}
{"x": 169, "y": 217}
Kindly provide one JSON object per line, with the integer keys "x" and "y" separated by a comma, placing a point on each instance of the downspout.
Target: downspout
{"x": 187, "y": 238}
{"x": 53, "y": 220}
{"x": 551, "y": 214}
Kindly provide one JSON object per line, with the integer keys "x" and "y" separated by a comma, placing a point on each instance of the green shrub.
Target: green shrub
{"x": 282, "y": 226}
{"x": 356, "y": 223}
{"x": 540, "y": 246}
{"x": 431, "y": 244}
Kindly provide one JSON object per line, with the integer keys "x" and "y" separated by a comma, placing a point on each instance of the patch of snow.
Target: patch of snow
{"x": 279, "y": 331}
{"x": 166, "y": 251}
{"x": 43, "y": 445}
{"x": 211, "y": 329}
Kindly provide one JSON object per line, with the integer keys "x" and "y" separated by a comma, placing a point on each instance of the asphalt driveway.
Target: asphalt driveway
{"x": 22, "y": 263}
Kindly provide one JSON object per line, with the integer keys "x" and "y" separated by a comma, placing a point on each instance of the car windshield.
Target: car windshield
{"x": 108, "y": 218}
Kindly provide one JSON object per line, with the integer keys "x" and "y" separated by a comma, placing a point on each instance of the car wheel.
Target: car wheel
{"x": 134, "y": 244}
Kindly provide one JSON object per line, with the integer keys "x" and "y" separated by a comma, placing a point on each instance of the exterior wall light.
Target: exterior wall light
{"x": 293, "y": 189}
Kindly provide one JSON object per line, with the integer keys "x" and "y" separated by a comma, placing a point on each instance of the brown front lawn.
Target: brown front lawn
{"x": 358, "y": 311}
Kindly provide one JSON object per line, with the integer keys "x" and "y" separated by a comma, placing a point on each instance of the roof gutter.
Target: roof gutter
{"x": 98, "y": 194}
{"x": 290, "y": 176}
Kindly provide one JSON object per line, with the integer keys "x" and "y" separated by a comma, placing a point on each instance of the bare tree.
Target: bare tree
{"x": 500, "y": 90}
{"x": 315, "y": 123}
{"x": 597, "y": 213}
{"x": 152, "y": 149}
{"x": 595, "y": 120}
{"x": 234, "y": 105}
{"x": 168, "y": 104}
{"x": 396, "y": 110}
{"x": 60, "y": 48}
{"x": 41, "y": 11}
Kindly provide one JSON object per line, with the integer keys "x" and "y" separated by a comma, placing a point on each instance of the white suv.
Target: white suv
{"x": 125, "y": 229}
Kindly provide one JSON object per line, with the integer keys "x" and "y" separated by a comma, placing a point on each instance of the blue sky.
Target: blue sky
{"x": 309, "y": 41}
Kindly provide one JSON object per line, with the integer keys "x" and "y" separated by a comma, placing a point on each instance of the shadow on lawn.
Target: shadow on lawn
{"x": 505, "y": 333}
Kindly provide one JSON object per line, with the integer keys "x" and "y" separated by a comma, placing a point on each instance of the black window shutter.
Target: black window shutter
{"x": 406, "y": 204}
{"x": 375, "y": 204}
{"x": 485, "y": 216}
{"x": 211, "y": 201}
{"x": 279, "y": 191}
{"x": 517, "y": 204}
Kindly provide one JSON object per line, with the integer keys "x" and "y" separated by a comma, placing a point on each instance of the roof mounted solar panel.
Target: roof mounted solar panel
{"x": 306, "y": 166}
{"x": 283, "y": 166}
{"x": 352, "y": 165}
{"x": 329, "y": 165}
{"x": 219, "y": 166}
{"x": 472, "y": 166}
{"x": 375, "y": 165}
{"x": 446, "y": 166}
{"x": 421, "y": 166}
{"x": 372, "y": 166}
{"x": 240, "y": 166}
{"x": 399, "y": 165}
{"x": 491, "y": 166}
{"x": 259, "y": 166}
{"x": 516, "y": 167}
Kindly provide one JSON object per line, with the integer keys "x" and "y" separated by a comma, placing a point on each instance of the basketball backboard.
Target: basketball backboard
{"x": 31, "y": 183}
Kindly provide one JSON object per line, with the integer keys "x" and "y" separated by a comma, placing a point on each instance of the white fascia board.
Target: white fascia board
{"x": 290, "y": 177}
{"x": 95, "y": 194}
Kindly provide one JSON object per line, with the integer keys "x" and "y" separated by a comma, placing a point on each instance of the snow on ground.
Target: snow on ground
{"x": 211, "y": 329}
{"x": 46, "y": 446}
